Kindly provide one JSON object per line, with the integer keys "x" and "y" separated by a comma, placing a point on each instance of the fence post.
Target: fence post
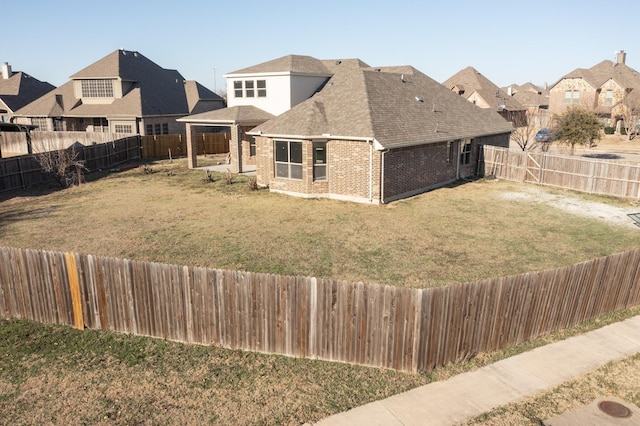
{"x": 74, "y": 285}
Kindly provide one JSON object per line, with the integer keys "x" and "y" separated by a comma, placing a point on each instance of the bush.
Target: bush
{"x": 609, "y": 130}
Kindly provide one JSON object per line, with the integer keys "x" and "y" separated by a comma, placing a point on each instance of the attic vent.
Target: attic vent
{"x": 419, "y": 99}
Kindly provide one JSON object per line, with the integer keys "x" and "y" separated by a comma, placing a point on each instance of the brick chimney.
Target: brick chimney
{"x": 6, "y": 71}
{"x": 620, "y": 57}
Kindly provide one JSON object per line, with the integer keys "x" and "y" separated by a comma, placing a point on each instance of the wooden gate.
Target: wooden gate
{"x": 534, "y": 168}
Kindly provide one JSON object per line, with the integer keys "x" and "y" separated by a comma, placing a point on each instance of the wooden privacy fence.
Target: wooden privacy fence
{"x": 594, "y": 176}
{"x": 15, "y": 143}
{"x": 25, "y": 171}
{"x": 383, "y": 326}
{"x": 159, "y": 146}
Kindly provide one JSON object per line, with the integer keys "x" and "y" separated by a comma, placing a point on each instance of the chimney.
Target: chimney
{"x": 620, "y": 57}
{"x": 510, "y": 90}
{"x": 6, "y": 71}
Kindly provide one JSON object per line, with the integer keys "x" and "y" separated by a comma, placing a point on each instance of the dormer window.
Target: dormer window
{"x": 97, "y": 88}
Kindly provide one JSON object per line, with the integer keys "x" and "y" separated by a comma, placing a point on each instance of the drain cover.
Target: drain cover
{"x": 614, "y": 409}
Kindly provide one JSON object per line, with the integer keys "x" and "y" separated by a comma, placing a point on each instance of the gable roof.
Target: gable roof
{"x": 287, "y": 64}
{"x": 396, "y": 106}
{"x": 474, "y": 81}
{"x": 148, "y": 90}
{"x": 596, "y": 76}
{"x": 20, "y": 89}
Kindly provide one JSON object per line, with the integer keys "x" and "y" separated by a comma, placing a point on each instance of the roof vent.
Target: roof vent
{"x": 402, "y": 78}
{"x": 419, "y": 99}
{"x": 338, "y": 62}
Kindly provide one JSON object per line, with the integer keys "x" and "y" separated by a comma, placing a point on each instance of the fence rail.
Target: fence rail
{"x": 368, "y": 324}
{"x": 594, "y": 176}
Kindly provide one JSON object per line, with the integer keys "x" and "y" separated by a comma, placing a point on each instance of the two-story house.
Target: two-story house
{"x": 482, "y": 92}
{"x": 124, "y": 92}
{"x": 364, "y": 134}
{"x": 17, "y": 89}
{"x": 602, "y": 89}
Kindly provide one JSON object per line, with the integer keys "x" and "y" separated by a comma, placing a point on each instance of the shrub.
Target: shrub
{"x": 609, "y": 130}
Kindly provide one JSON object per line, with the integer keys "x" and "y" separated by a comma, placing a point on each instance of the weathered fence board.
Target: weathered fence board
{"x": 163, "y": 146}
{"x": 369, "y": 324}
{"x": 590, "y": 175}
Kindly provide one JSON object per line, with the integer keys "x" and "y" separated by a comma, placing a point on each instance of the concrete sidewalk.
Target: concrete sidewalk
{"x": 467, "y": 395}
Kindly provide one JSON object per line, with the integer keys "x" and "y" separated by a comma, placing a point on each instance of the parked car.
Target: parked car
{"x": 545, "y": 135}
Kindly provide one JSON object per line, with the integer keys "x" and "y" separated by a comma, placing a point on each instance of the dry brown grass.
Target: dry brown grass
{"x": 451, "y": 235}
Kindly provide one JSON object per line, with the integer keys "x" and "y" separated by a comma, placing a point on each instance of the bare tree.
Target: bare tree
{"x": 525, "y": 136}
{"x": 630, "y": 112}
{"x": 63, "y": 165}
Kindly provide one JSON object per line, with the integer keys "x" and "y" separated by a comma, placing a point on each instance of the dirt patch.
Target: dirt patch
{"x": 613, "y": 215}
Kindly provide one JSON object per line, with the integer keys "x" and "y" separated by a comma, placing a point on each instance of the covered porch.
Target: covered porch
{"x": 239, "y": 120}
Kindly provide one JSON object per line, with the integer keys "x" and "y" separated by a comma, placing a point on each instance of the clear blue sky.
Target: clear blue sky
{"x": 508, "y": 42}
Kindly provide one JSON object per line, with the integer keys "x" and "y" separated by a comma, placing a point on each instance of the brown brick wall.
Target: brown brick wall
{"x": 556, "y": 95}
{"x": 411, "y": 169}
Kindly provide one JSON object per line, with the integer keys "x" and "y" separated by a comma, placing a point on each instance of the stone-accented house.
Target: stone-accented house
{"x": 536, "y": 101}
{"x": 124, "y": 92}
{"x": 602, "y": 88}
{"x": 479, "y": 90}
{"x": 374, "y": 135}
{"x": 17, "y": 89}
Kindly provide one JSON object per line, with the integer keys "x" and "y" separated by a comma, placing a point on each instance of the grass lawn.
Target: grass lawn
{"x": 57, "y": 375}
{"x": 450, "y": 235}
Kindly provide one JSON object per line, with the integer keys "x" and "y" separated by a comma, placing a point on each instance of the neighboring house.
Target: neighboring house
{"x": 124, "y": 92}
{"x": 602, "y": 88}
{"x": 374, "y": 135}
{"x": 17, "y": 89}
{"x": 536, "y": 101}
{"x": 255, "y": 95}
{"x": 479, "y": 90}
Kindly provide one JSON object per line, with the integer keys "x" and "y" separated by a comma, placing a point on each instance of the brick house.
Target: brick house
{"x": 374, "y": 135}
{"x": 603, "y": 88}
{"x": 255, "y": 95}
{"x": 479, "y": 90}
{"x": 124, "y": 92}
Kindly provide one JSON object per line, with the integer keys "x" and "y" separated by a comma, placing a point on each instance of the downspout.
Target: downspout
{"x": 459, "y": 148}
{"x": 371, "y": 171}
{"x": 382, "y": 176}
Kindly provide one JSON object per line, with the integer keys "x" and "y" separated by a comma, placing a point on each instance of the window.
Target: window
{"x": 41, "y": 123}
{"x": 165, "y": 128}
{"x": 100, "y": 124}
{"x": 288, "y": 159}
{"x": 319, "y": 160}
{"x": 58, "y": 124}
{"x": 571, "y": 97}
{"x": 149, "y": 129}
{"x": 157, "y": 129}
{"x": 97, "y": 88}
{"x": 237, "y": 88}
{"x": 248, "y": 86}
{"x": 123, "y": 128}
{"x": 608, "y": 97}
{"x": 465, "y": 154}
{"x": 262, "y": 88}
{"x": 252, "y": 145}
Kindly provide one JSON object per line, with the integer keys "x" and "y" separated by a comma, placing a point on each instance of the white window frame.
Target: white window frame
{"x": 320, "y": 164}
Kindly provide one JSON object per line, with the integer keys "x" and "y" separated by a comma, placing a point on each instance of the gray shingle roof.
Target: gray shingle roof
{"x": 606, "y": 70}
{"x": 289, "y": 63}
{"x": 473, "y": 81}
{"x": 20, "y": 89}
{"x": 240, "y": 114}
{"x": 153, "y": 91}
{"x": 398, "y": 106}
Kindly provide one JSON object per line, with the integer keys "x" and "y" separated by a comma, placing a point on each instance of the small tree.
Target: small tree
{"x": 630, "y": 112}
{"x": 63, "y": 165}
{"x": 578, "y": 126}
